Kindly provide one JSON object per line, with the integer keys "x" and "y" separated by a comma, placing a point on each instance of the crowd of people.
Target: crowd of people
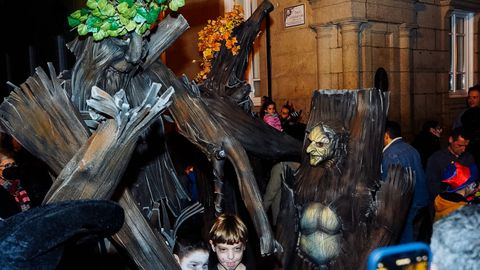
{"x": 446, "y": 180}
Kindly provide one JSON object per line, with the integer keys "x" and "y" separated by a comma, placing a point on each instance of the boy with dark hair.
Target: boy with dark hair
{"x": 191, "y": 255}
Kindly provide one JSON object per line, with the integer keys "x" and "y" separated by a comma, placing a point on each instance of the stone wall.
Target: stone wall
{"x": 353, "y": 38}
{"x": 293, "y": 59}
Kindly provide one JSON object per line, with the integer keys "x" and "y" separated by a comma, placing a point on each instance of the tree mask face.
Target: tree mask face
{"x": 322, "y": 144}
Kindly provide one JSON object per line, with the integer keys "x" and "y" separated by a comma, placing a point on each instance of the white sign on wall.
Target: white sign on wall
{"x": 294, "y": 15}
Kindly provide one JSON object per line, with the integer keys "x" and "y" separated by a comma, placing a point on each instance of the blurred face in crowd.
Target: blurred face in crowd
{"x": 229, "y": 256}
{"x": 284, "y": 113}
{"x": 473, "y": 99}
{"x": 6, "y": 163}
{"x": 270, "y": 109}
{"x": 195, "y": 260}
{"x": 457, "y": 147}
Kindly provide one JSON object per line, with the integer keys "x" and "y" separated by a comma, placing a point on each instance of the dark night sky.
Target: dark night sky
{"x": 30, "y": 23}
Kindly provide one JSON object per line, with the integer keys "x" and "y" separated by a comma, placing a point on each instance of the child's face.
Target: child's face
{"x": 195, "y": 260}
{"x": 270, "y": 109}
{"x": 229, "y": 256}
{"x": 284, "y": 113}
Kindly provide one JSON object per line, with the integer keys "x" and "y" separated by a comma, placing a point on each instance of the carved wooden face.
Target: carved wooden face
{"x": 322, "y": 143}
{"x": 132, "y": 45}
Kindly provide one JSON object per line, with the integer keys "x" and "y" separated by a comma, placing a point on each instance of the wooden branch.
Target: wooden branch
{"x": 95, "y": 171}
{"x": 168, "y": 30}
{"x": 40, "y": 116}
{"x": 196, "y": 121}
{"x": 144, "y": 246}
{"x": 227, "y": 75}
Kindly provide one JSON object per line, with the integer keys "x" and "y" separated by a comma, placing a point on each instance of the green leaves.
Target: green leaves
{"x": 176, "y": 4}
{"x": 110, "y": 18}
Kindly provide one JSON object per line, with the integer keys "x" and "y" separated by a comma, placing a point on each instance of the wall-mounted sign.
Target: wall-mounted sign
{"x": 294, "y": 15}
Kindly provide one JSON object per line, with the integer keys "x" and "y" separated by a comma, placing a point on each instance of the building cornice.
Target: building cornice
{"x": 469, "y": 5}
{"x": 338, "y": 22}
{"x": 320, "y": 2}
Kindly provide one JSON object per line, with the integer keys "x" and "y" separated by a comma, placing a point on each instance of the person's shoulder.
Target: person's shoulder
{"x": 401, "y": 146}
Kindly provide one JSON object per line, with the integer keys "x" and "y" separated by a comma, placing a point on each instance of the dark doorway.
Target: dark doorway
{"x": 381, "y": 79}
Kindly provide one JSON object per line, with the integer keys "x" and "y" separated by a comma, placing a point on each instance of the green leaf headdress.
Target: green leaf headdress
{"x": 113, "y": 18}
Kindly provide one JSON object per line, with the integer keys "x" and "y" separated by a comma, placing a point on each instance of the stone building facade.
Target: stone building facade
{"x": 343, "y": 43}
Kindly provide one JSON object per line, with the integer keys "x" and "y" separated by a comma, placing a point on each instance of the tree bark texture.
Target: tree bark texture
{"x": 345, "y": 188}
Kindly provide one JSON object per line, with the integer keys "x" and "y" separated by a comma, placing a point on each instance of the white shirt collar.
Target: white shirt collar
{"x": 388, "y": 145}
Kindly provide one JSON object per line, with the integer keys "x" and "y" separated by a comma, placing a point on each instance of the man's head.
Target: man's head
{"x": 458, "y": 141}
{"x": 473, "y": 98}
{"x": 454, "y": 242}
{"x": 228, "y": 237}
{"x": 322, "y": 142}
{"x": 392, "y": 131}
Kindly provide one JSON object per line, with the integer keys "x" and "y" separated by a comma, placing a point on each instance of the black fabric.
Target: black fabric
{"x": 35, "y": 239}
{"x": 8, "y": 206}
{"x": 426, "y": 144}
{"x": 471, "y": 122}
{"x": 34, "y": 176}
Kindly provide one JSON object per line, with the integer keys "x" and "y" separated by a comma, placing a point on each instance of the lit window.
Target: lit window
{"x": 461, "y": 51}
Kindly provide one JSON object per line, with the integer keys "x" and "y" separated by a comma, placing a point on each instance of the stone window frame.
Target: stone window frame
{"x": 467, "y": 51}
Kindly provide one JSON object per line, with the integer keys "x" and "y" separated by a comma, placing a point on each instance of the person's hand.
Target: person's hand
{"x": 295, "y": 115}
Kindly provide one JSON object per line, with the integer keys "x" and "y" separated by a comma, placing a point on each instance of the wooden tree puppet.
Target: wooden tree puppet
{"x": 335, "y": 202}
{"x": 86, "y": 124}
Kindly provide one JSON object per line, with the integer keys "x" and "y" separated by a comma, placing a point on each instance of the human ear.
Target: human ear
{"x": 176, "y": 258}
{"x": 212, "y": 245}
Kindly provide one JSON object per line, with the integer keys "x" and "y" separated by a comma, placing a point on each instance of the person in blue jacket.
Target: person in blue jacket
{"x": 397, "y": 151}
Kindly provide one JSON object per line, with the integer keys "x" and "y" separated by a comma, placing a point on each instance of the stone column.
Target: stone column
{"x": 405, "y": 65}
{"x": 324, "y": 70}
{"x": 351, "y": 53}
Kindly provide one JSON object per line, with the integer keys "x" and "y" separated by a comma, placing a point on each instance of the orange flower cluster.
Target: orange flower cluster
{"x": 211, "y": 37}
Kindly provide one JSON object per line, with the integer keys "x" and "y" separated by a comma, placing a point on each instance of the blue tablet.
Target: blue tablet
{"x": 411, "y": 256}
